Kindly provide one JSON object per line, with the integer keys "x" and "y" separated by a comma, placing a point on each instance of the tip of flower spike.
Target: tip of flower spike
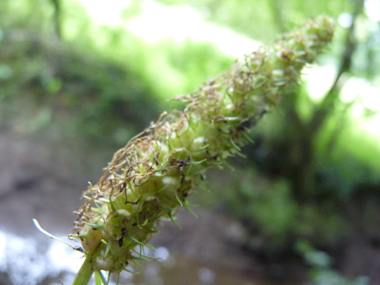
{"x": 323, "y": 27}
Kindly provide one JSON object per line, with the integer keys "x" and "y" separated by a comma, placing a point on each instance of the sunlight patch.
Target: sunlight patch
{"x": 177, "y": 22}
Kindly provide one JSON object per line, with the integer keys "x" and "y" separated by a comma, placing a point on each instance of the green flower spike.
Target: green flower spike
{"x": 149, "y": 178}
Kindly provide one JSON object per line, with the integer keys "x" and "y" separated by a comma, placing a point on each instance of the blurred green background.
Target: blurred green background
{"x": 83, "y": 77}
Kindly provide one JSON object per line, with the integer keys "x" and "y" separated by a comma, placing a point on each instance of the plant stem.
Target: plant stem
{"x": 85, "y": 272}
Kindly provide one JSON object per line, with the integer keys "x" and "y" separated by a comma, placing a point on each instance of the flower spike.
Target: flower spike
{"x": 149, "y": 178}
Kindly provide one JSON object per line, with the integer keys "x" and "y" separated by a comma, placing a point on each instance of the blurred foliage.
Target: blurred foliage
{"x": 321, "y": 272}
{"x": 95, "y": 83}
{"x": 312, "y": 164}
{"x": 367, "y": 61}
{"x": 48, "y": 82}
{"x": 263, "y": 19}
{"x": 83, "y": 93}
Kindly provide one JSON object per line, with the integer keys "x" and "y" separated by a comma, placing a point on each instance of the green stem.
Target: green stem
{"x": 99, "y": 278}
{"x": 85, "y": 272}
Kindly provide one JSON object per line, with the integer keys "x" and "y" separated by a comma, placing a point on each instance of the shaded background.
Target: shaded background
{"x": 78, "y": 79}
